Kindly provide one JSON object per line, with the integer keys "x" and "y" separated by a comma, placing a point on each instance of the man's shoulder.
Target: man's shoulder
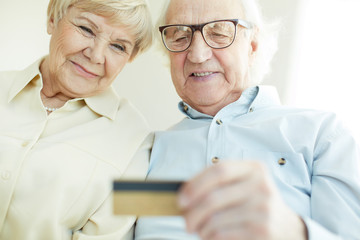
{"x": 307, "y": 112}
{"x": 297, "y": 113}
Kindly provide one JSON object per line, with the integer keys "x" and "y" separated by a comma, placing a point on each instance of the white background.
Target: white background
{"x": 317, "y": 65}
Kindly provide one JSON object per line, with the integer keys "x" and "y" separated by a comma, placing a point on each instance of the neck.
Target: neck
{"x": 55, "y": 101}
{"x": 50, "y": 96}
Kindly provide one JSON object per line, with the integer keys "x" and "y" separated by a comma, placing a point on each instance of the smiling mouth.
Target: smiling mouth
{"x": 202, "y": 74}
{"x": 83, "y": 71}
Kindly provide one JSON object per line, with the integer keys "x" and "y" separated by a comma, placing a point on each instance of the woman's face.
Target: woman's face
{"x": 86, "y": 53}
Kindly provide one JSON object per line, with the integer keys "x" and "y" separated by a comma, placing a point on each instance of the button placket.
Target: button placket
{"x": 214, "y": 145}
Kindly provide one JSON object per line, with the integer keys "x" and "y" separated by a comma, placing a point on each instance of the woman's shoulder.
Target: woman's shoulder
{"x": 7, "y": 79}
{"x": 6, "y": 75}
{"x": 9, "y": 76}
{"x": 129, "y": 114}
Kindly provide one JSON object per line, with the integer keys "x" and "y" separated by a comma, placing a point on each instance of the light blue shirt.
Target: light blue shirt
{"x": 320, "y": 180}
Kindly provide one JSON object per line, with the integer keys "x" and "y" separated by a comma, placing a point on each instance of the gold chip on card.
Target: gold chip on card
{"x": 148, "y": 198}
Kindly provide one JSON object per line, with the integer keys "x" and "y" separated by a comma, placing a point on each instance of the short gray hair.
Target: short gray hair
{"x": 267, "y": 38}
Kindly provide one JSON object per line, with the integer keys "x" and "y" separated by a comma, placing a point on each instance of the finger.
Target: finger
{"x": 215, "y": 177}
{"x": 233, "y": 234}
{"x": 261, "y": 218}
{"x": 231, "y": 195}
{"x": 246, "y": 220}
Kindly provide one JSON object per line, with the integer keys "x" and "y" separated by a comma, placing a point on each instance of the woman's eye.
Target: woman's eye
{"x": 118, "y": 47}
{"x": 87, "y": 30}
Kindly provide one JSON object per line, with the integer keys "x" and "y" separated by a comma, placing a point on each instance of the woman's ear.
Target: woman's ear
{"x": 50, "y": 25}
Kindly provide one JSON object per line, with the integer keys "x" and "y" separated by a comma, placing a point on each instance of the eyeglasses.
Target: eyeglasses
{"x": 217, "y": 34}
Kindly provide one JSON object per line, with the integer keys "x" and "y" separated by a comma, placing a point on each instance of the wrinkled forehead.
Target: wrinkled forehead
{"x": 200, "y": 11}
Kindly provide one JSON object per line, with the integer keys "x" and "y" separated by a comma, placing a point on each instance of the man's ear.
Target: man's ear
{"x": 50, "y": 25}
{"x": 254, "y": 44}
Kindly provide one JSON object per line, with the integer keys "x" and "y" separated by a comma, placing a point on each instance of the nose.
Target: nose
{"x": 199, "y": 51}
{"x": 95, "y": 52}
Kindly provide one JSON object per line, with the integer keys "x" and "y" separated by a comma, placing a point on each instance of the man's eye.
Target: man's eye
{"x": 179, "y": 39}
{"x": 86, "y": 30}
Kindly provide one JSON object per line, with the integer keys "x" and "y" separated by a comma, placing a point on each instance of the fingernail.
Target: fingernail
{"x": 183, "y": 201}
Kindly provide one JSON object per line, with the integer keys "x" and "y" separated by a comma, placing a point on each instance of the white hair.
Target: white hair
{"x": 267, "y": 35}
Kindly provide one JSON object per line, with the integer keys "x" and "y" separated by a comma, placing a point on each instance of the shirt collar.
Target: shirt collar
{"x": 253, "y": 98}
{"x": 267, "y": 96}
{"x": 22, "y": 78}
{"x": 105, "y": 103}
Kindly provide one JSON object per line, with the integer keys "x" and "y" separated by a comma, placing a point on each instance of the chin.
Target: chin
{"x": 205, "y": 102}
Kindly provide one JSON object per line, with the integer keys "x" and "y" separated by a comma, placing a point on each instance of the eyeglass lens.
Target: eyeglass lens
{"x": 216, "y": 34}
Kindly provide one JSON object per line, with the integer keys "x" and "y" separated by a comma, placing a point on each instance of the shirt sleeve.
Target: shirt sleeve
{"x": 335, "y": 194}
{"x": 316, "y": 231}
{"x": 103, "y": 224}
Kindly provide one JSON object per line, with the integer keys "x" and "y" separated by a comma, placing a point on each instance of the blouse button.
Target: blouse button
{"x": 215, "y": 160}
{"x": 5, "y": 175}
{"x": 219, "y": 122}
{"x": 282, "y": 161}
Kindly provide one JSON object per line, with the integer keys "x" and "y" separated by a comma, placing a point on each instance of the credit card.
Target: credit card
{"x": 148, "y": 198}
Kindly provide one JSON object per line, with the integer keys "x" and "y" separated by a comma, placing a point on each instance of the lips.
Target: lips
{"x": 201, "y": 74}
{"x": 83, "y": 71}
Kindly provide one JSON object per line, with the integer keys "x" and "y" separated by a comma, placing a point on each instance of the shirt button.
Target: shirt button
{"x": 251, "y": 109}
{"x": 215, "y": 160}
{"x": 219, "y": 122}
{"x": 186, "y": 108}
{"x": 5, "y": 175}
{"x": 282, "y": 161}
{"x": 24, "y": 144}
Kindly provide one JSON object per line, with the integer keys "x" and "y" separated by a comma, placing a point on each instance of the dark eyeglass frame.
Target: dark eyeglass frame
{"x": 200, "y": 27}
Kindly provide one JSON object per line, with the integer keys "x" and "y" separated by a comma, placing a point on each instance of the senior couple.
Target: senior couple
{"x": 253, "y": 169}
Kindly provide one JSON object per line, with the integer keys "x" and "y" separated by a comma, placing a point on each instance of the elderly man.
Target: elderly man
{"x": 257, "y": 170}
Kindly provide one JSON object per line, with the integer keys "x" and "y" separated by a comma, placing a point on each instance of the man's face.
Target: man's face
{"x": 205, "y": 78}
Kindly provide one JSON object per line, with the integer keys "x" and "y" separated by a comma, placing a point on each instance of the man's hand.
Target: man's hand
{"x": 238, "y": 200}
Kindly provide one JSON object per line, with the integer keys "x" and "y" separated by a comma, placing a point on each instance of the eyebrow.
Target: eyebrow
{"x": 91, "y": 22}
{"x": 97, "y": 28}
{"x": 125, "y": 41}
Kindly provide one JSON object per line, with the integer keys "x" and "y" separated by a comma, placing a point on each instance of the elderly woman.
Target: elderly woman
{"x": 65, "y": 134}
